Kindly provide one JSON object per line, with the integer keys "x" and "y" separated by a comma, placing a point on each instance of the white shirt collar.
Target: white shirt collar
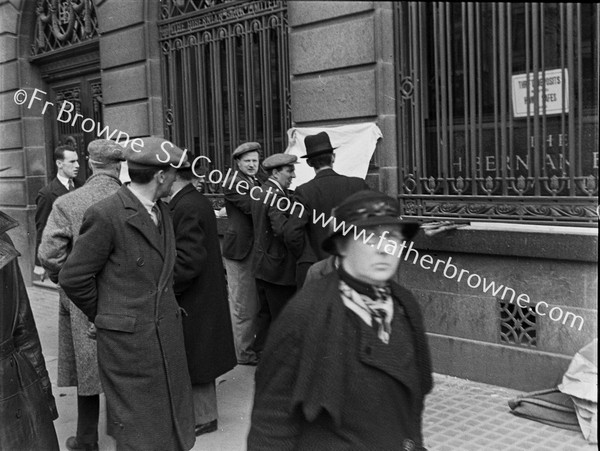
{"x": 63, "y": 180}
{"x": 147, "y": 203}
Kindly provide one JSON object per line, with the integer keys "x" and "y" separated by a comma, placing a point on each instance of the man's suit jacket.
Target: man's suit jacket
{"x": 319, "y": 196}
{"x": 200, "y": 287}
{"x": 272, "y": 261}
{"x": 239, "y": 236}
{"x": 120, "y": 274}
{"x": 44, "y": 200}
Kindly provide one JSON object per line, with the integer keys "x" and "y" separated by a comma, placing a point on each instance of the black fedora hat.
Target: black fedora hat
{"x": 368, "y": 209}
{"x": 317, "y": 145}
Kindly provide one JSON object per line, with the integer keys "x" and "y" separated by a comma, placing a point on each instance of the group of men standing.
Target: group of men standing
{"x": 268, "y": 249}
{"x": 143, "y": 286}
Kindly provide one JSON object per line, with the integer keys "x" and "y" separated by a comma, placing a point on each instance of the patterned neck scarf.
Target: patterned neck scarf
{"x": 376, "y": 308}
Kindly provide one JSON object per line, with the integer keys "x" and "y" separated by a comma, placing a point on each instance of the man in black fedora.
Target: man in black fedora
{"x": 319, "y": 196}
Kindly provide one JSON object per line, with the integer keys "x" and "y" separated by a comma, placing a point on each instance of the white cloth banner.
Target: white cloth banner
{"x": 355, "y": 146}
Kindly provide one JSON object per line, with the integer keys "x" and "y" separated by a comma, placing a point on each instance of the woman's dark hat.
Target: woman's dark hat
{"x": 367, "y": 209}
{"x": 317, "y": 145}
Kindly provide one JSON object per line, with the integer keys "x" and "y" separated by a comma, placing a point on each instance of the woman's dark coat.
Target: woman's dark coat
{"x": 27, "y": 407}
{"x": 200, "y": 287}
{"x": 309, "y": 368}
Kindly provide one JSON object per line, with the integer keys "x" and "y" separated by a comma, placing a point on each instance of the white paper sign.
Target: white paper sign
{"x": 550, "y": 92}
{"x": 355, "y": 144}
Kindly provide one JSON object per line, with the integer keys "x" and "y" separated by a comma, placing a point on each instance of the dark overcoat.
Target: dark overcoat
{"x": 320, "y": 195}
{"x": 120, "y": 274}
{"x": 272, "y": 261}
{"x": 326, "y": 382}
{"x": 27, "y": 407}
{"x": 44, "y": 201}
{"x": 239, "y": 235}
{"x": 200, "y": 287}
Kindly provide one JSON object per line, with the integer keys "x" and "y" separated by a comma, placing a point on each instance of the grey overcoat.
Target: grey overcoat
{"x": 120, "y": 273}
{"x": 77, "y": 357}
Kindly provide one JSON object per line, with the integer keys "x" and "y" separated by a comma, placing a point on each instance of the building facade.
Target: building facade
{"x": 489, "y": 115}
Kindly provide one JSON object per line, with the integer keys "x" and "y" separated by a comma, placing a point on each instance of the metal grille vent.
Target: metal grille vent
{"x": 518, "y": 326}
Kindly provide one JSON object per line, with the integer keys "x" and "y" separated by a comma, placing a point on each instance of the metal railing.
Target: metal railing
{"x": 498, "y": 110}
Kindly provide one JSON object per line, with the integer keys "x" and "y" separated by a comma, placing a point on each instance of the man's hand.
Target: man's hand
{"x": 433, "y": 228}
{"x": 40, "y": 271}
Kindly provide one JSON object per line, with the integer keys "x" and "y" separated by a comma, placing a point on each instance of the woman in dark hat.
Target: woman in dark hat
{"x": 347, "y": 364}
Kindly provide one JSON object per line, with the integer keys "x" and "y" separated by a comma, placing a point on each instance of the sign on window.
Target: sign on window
{"x": 552, "y": 88}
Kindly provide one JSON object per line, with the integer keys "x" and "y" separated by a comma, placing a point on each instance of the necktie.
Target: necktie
{"x": 71, "y": 185}
{"x": 156, "y": 217}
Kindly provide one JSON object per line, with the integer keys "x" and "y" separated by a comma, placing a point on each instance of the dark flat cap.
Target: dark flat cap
{"x": 245, "y": 148}
{"x": 154, "y": 152}
{"x": 105, "y": 151}
{"x": 279, "y": 159}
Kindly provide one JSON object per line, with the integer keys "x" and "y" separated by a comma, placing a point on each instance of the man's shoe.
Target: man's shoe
{"x": 74, "y": 445}
{"x": 206, "y": 428}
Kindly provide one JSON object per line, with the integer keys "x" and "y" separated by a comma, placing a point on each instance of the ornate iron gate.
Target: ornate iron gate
{"x": 498, "y": 110}
{"x": 225, "y": 75}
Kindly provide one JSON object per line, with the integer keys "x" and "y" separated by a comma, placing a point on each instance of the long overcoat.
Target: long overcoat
{"x": 77, "y": 356}
{"x": 27, "y": 407}
{"x": 200, "y": 287}
{"x": 120, "y": 273}
{"x": 325, "y": 381}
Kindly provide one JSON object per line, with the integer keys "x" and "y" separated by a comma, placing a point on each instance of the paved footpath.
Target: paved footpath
{"x": 459, "y": 414}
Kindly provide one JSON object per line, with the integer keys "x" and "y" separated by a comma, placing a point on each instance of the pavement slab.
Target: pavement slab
{"x": 459, "y": 414}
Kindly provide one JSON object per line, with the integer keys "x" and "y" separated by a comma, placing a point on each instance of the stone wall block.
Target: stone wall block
{"x": 339, "y": 96}
{"x": 8, "y": 108}
{"x": 157, "y": 121}
{"x": 124, "y": 84}
{"x": 34, "y": 136}
{"x": 8, "y": 48}
{"x": 116, "y": 14}
{"x": 10, "y": 135}
{"x": 36, "y": 160}
{"x": 386, "y": 91}
{"x": 123, "y": 47}
{"x": 567, "y": 334}
{"x": 130, "y": 118}
{"x": 387, "y": 154}
{"x": 331, "y": 46}
{"x": 14, "y": 161}
{"x": 9, "y": 19}
{"x": 34, "y": 185}
{"x": 12, "y": 192}
{"x": 302, "y": 13}
{"x": 388, "y": 182}
{"x": 8, "y": 76}
{"x": 448, "y": 314}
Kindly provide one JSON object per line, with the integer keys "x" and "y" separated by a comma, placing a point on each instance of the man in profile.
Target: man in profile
{"x": 77, "y": 356}
{"x": 304, "y": 234}
{"x": 67, "y": 168}
{"x": 120, "y": 274}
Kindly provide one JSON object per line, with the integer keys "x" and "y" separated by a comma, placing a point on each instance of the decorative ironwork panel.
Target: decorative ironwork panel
{"x": 498, "y": 108}
{"x": 62, "y": 23}
{"x": 518, "y": 325}
{"x": 225, "y": 77}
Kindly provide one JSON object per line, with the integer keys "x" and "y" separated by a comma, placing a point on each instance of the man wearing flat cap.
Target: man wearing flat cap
{"x": 326, "y": 191}
{"x": 120, "y": 274}
{"x": 77, "y": 357}
{"x": 237, "y": 251}
{"x": 274, "y": 266}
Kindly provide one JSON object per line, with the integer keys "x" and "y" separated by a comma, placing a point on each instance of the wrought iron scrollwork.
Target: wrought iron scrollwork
{"x": 63, "y": 23}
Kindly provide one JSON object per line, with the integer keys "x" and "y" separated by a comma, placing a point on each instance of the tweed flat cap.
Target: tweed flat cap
{"x": 279, "y": 159}
{"x": 105, "y": 151}
{"x": 245, "y": 148}
{"x": 154, "y": 152}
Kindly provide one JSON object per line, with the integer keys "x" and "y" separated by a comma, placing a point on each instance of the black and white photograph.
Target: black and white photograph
{"x": 270, "y": 225}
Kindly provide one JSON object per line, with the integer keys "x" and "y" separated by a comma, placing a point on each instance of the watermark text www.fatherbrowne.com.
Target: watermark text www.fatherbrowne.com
{"x": 256, "y": 193}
